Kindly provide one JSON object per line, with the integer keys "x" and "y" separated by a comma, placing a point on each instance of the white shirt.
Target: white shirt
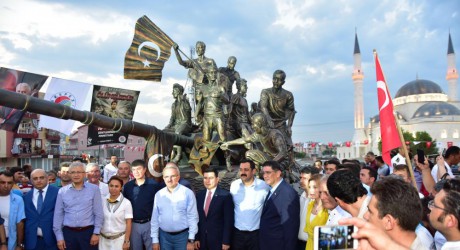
{"x": 397, "y": 159}
{"x": 36, "y": 193}
{"x": 434, "y": 171}
{"x": 115, "y": 220}
{"x": 249, "y": 202}
{"x": 304, "y": 200}
{"x": 364, "y": 208}
{"x": 109, "y": 171}
{"x": 104, "y": 189}
{"x": 335, "y": 215}
{"x": 439, "y": 240}
{"x": 206, "y": 197}
{"x": 451, "y": 245}
{"x": 424, "y": 235}
{"x": 418, "y": 244}
{"x": 35, "y": 199}
{"x": 5, "y": 211}
{"x": 174, "y": 211}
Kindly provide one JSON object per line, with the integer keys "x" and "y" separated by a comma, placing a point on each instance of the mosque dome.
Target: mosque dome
{"x": 436, "y": 109}
{"x": 417, "y": 87}
{"x": 376, "y": 118}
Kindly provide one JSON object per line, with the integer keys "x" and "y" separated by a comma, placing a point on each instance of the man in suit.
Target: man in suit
{"x": 39, "y": 208}
{"x": 9, "y": 117}
{"x": 215, "y": 210}
{"x": 279, "y": 223}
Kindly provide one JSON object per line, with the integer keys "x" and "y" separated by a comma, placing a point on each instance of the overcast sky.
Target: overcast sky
{"x": 312, "y": 41}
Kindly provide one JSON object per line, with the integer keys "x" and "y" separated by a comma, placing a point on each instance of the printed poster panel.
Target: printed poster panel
{"x": 115, "y": 103}
{"x": 20, "y": 82}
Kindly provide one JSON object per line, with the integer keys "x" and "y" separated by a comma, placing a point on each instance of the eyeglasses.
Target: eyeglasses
{"x": 170, "y": 177}
{"x": 77, "y": 172}
{"x": 431, "y": 205}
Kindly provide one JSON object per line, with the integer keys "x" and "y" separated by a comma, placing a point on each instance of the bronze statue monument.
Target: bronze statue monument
{"x": 199, "y": 67}
{"x": 278, "y": 105}
{"x": 232, "y": 75}
{"x": 181, "y": 118}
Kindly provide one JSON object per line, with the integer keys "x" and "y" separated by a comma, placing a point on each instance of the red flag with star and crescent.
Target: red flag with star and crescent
{"x": 388, "y": 130}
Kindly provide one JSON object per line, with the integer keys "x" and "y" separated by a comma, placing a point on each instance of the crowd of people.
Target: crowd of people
{"x": 123, "y": 208}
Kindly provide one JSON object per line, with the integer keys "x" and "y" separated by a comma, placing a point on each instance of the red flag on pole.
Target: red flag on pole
{"x": 388, "y": 130}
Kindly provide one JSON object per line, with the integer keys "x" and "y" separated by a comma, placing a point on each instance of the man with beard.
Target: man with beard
{"x": 124, "y": 171}
{"x": 445, "y": 213}
{"x": 64, "y": 174}
{"x": 249, "y": 195}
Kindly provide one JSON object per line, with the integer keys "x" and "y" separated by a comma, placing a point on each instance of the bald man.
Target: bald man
{"x": 9, "y": 117}
{"x": 39, "y": 208}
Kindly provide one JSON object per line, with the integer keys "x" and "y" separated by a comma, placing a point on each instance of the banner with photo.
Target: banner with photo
{"x": 25, "y": 83}
{"x": 114, "y": 103}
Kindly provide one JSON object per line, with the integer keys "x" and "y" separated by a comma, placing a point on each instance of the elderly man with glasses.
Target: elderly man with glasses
{"x": 78, "y": 214}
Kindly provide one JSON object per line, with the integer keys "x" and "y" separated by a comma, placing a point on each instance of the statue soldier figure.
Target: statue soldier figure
{"x": 238, "y": 117}
{"x": 180, "y": 122}
{"x": 232, "y": 75}
{"x": 199, "y": 67}
{"x": 272, "y": 140}
{"x": 278, "y": 105}
{"x": 214, "y": 98}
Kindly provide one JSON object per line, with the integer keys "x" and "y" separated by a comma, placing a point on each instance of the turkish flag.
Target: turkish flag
{"x": 389, "y": 132}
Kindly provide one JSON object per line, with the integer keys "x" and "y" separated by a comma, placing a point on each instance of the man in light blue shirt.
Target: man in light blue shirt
{"x": 12, "y": 209}
{"x": 175, "y": 217}
{"x": 249, "y": 194}
{"x": 78, "y": 214}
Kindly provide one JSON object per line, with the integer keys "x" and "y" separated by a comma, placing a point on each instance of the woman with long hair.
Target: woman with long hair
{"x": 316, "y": 214}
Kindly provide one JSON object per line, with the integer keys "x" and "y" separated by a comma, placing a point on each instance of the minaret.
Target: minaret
{"x": 358, "y": 76}
{"x": 452, "y": 74}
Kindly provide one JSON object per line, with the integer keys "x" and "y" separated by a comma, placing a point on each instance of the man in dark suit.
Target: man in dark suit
{"x": 279, "y": 223}
{"x": 215, "y": 210}
{"x": 39, "y": 208}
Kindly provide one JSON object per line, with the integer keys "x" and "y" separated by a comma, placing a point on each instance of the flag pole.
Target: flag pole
{"x": 406, "y": 153}
{"x": 401, "y": 137}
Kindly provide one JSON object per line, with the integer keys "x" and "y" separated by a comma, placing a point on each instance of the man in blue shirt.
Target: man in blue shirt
{"x": 248, "y": 194}
{"x": 141, "y": 193}
{"x": 12, "y": 209}
{"x": 175, "y": 216}
{"x": 78, "y": 214}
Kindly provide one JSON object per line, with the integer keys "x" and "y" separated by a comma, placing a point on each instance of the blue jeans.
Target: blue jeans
{"x": 173, "y": 242}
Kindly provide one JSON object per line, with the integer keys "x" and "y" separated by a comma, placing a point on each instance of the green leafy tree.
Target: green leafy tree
{"x": 300, "y": 155}
{"x": 420, "y": 136}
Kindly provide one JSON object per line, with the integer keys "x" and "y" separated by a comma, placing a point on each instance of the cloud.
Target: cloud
{"x": 50, "y": 23}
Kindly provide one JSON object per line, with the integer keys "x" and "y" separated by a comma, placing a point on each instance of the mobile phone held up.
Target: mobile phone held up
{"x": 334, "y": 237}
{"x": 421, "y": 156}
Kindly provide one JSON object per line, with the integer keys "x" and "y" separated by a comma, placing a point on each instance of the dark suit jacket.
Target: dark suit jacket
{"x": 44, "y": 220}
{"x": 216, "y": 228}
{"x": 280, "y": 221}
{"x": 11, "y": 117}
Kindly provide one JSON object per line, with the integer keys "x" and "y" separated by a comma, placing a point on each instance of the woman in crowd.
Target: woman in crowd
{"x": 316, "y": 214}
{"x": 118, "y": 214}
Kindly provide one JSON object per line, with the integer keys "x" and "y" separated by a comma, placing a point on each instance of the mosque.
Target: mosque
{"x": 420, "y": 105}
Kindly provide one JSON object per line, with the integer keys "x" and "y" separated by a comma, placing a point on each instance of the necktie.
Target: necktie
{"x": 208, "y": 202}
{"x": 268, "y": 197}
{"x": 40, "y": 201}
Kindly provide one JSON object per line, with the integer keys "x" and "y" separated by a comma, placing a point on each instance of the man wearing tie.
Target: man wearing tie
{"x": 39, "y": 208}
{"x": 279, "y": 223}
{"x": 215, "y": 210}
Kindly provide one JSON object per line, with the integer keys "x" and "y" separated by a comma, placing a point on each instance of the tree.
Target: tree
{"x": 421, "y": 138}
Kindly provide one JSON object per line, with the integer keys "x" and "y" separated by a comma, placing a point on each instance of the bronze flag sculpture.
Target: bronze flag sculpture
{"x": 148, "y": 53}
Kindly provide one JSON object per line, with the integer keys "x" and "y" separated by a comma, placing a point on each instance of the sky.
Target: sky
{"x": 312, "y": 41}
